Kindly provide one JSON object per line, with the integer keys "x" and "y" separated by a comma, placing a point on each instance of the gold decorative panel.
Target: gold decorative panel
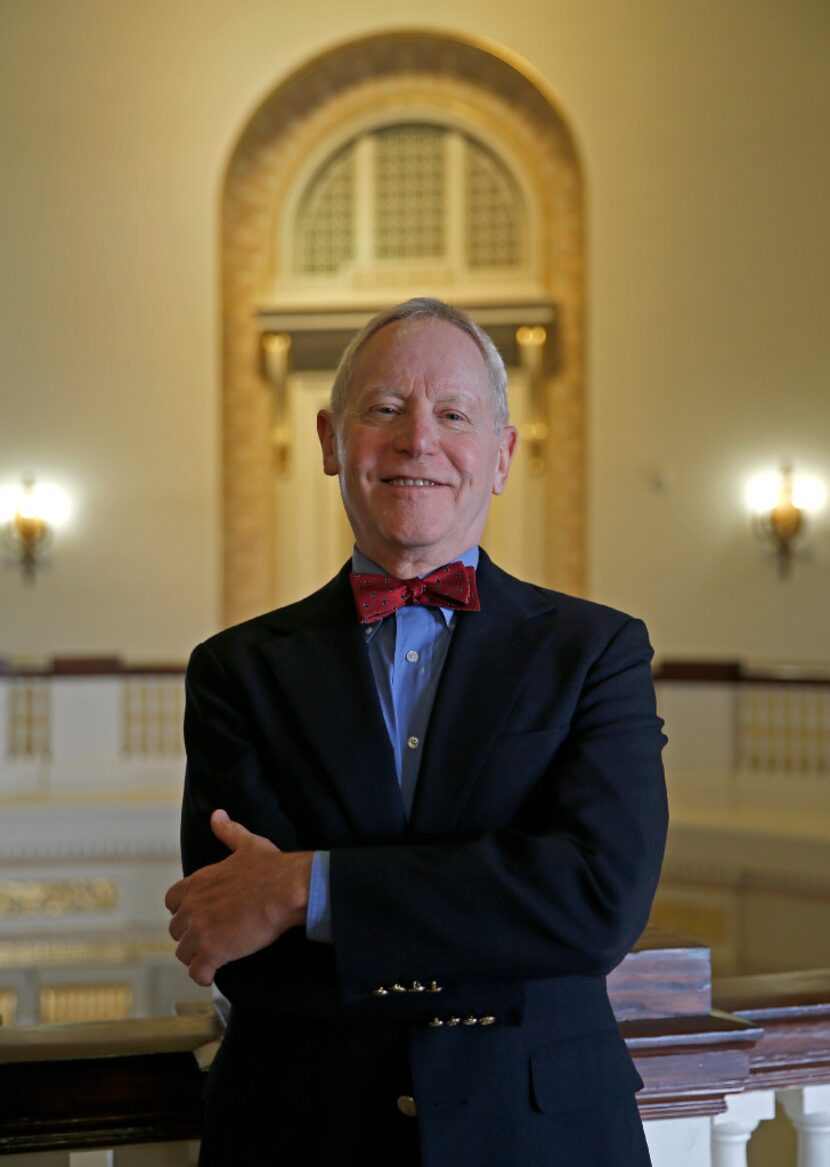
{"x": 8, "y": 1006}
{"x": 37, "y": 897}
{"x": 705, "y": 922}
{"x": 29, "y": 719}
{"x": 784, "y": 729}
{"x": 153, "y": 709}
{"x": 111, "y": 948}
{"x": 86, "y": 1002}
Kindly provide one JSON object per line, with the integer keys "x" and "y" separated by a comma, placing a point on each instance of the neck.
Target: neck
{"x": 405, "y": 566}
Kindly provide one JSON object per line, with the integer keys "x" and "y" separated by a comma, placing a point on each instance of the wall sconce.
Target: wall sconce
{"x": 30, "y": 512}
{"x": 530, "y": 341}
{"x": 780, "y": 503}
{"x": 276, "y": 365}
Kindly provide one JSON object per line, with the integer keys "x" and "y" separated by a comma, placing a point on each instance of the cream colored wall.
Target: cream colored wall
{"x": 703, "y": 130}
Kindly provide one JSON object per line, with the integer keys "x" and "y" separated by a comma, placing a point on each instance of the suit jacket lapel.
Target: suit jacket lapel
{"x": 483, "y": 676}
{"x": 322, "y": 669}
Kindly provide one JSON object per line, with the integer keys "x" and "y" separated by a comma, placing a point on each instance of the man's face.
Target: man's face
{"x": 416, "y": 450}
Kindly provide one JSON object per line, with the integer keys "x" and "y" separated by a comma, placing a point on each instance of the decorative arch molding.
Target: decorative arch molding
{"x": 481, "y": 85}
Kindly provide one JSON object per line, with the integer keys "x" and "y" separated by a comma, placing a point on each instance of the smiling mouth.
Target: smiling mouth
{"x": 411, "y": 482}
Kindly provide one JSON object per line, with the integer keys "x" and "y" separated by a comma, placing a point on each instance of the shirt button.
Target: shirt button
{"x": 413, "y": 743}
{"x": 412, "y": 656}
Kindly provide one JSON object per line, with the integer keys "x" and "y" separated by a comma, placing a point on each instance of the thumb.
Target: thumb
{"x": 232, "y": 834}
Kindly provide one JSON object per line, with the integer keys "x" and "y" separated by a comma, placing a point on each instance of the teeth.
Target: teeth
{"x": 412, "y": 482}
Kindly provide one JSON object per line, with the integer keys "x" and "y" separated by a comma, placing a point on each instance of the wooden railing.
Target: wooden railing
{"x": 104, "y": 1084}
{"x": 713, "y": 1059}
{"x": 718, "y": 1056}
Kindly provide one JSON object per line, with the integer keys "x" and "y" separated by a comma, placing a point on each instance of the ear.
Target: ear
{"x": 507, "y": 448}
{"x": 328, "y": 443}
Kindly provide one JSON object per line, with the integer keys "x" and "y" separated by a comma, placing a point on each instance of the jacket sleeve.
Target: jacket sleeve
{"x": 563, "y": 889}
{"x": 226, "y": 766}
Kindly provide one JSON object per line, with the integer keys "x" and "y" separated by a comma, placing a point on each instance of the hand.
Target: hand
{"x": 240, "y": 905}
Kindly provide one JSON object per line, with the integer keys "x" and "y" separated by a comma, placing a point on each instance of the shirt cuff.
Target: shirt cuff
{"x": 318, "y": 914}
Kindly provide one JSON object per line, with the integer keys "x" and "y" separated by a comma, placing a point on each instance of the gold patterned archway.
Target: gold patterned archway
{"x": 481, "y": 83}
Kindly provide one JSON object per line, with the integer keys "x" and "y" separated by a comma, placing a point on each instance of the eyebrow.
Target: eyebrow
{"x": 450, "y": 397}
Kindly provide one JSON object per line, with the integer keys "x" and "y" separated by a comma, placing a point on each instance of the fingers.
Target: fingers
{"x": 191, "y": 948}
{"x": 175, "y": 895}
{"x": 232, "y": 834}
{"x": 199, "y": 968}
{"x": 177, "y": 926}
{"x": 202, "y": 973}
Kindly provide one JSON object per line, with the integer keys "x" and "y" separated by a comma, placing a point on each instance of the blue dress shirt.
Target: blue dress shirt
{"x": 407, "y": 652}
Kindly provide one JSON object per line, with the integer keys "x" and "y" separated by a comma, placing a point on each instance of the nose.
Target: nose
{"x": 416, "y": 432}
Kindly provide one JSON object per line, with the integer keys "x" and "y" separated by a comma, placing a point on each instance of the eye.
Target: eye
{"x": 454, "y": 415}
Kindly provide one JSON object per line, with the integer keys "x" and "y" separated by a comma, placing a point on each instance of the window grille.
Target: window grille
{"x": 411, "y": 193}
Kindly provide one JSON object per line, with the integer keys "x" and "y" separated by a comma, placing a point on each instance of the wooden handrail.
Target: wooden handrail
{"x": 723, "y": 672}
{"x": 793, "y": 1011}
{"x": 713, "y": 671}
{"x": 86, "y": 666}
{"x": 73, "y": 1041}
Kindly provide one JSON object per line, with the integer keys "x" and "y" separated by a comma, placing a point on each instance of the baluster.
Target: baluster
{"x": 808, "y": 1109}
{"x": 732, "y": 1130}
{"x": 679, "y": 1142}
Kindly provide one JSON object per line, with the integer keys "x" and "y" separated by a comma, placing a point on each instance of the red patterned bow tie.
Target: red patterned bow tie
{"x": 375, "y": 596}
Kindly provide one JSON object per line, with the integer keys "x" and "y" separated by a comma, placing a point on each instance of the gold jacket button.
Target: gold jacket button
{"x": 416, "y": 987}
{"x": 406, "y": 1105}
{"x": 453, "y": 1021}
{"x": 396, "y": 988}
{"x": 488, "y": 1020}
{"x": 379, "y": 991}
{"x": 470, "y": 1020}
{"x": 434, "y": 987}
{"x": 436, "y": 1021}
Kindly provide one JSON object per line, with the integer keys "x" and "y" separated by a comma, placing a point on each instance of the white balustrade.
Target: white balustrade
{"x": 723, "y": 1141}
{"x": 732, "y": 1130}
{"x": 809, "y": 1111}
{"x": 679, "y": 1142}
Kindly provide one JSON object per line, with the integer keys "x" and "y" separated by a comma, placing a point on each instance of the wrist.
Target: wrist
{"x": 301, "y": 881}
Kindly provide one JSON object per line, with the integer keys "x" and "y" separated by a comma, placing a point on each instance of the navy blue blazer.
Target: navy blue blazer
{"x": 471, "y": 943}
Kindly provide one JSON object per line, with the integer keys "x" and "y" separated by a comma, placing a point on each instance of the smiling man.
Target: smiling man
{"x": 424, "y": 813}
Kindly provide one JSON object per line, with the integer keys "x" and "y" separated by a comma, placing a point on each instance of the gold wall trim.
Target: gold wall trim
{"x": 112, "y": 949}
{"x": 8, "y": 1006}
{"x": 85, "y": 1002}
{"x": 40, "y": 897}
{"x": 477, "y": 80}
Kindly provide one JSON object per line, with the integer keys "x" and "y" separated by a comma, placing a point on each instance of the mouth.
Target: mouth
{"x": 411, "y": 482}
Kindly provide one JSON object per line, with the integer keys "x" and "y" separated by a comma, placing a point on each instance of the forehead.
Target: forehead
{"x": 433, "y": 353}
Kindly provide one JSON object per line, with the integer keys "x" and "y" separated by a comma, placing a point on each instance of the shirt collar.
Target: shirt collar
{"x": 360, "y": 562}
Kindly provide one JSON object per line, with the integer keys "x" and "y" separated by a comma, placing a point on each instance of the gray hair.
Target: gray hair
{"x": 426, "y": 308}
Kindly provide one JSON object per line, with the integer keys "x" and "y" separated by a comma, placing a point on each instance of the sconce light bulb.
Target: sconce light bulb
{"x": 763, "y": 493}
{"x": 51, "y": 503}
{"x": 9, "y": 499}
{"x": 809, "y": 494}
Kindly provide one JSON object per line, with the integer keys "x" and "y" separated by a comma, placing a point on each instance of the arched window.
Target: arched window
{"x": 411, "y": 199}
{"x": 412, "y": 183}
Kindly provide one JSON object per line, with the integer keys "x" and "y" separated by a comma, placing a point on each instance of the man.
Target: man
{"x": 415, "y": 843}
